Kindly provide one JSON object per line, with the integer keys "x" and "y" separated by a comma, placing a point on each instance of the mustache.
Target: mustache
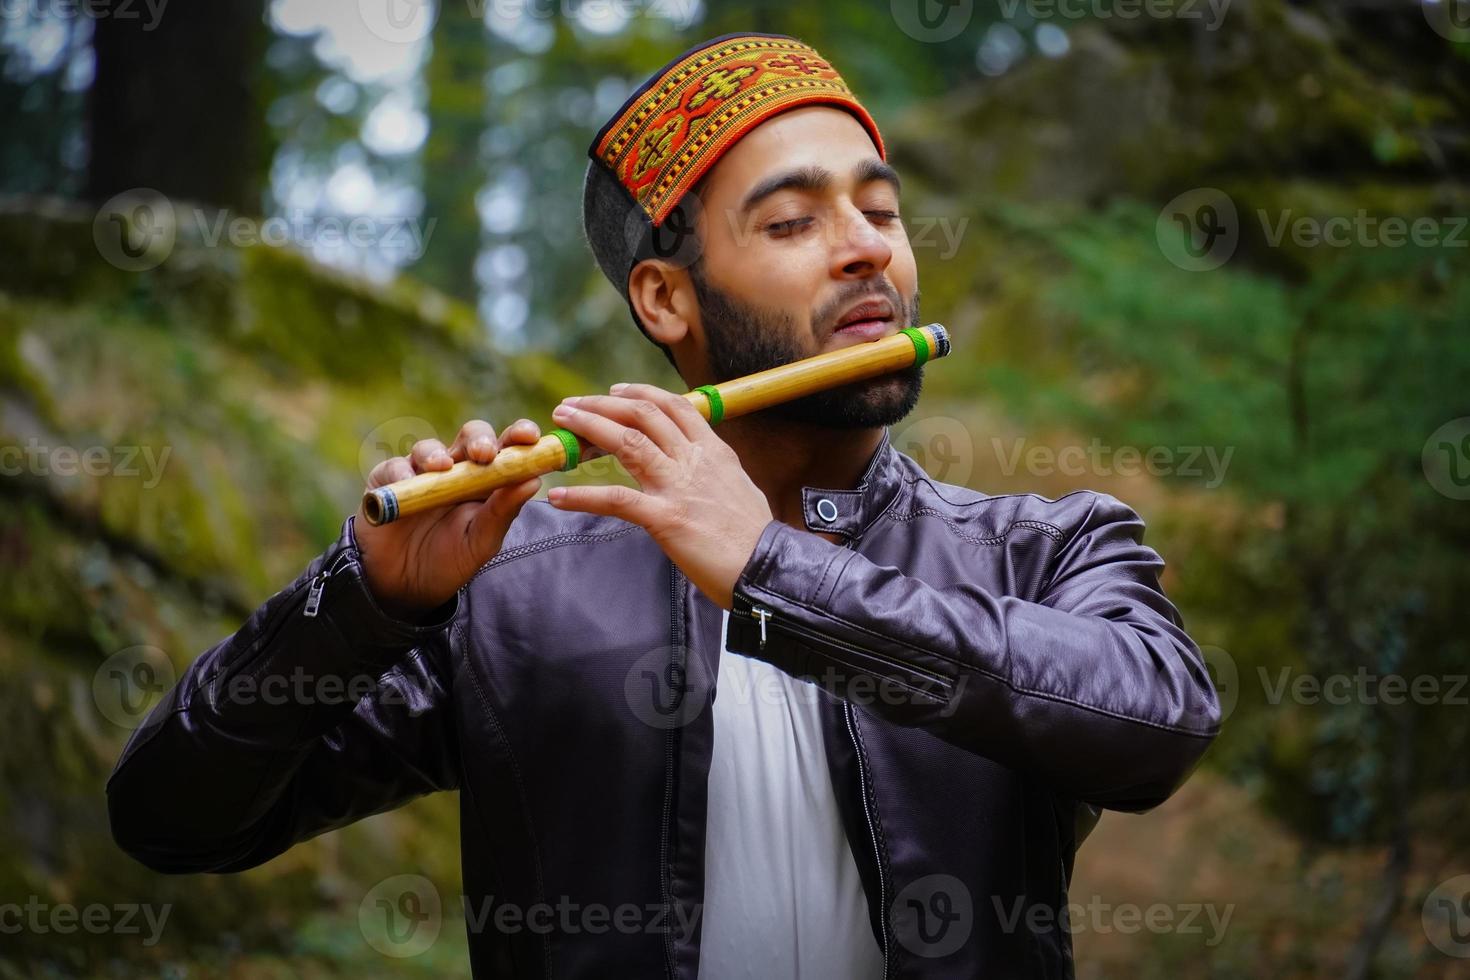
{"x": 825, "y": 319}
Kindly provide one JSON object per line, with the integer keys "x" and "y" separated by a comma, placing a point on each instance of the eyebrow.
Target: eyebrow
{"x": 814, "y": 179}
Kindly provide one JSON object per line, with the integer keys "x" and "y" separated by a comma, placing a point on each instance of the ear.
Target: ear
{"x": 663, "y": 297}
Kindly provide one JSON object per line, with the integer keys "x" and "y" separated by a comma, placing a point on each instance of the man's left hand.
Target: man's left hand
{"x": 694, "y": 498}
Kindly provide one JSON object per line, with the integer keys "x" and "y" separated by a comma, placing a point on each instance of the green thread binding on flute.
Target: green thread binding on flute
{"x": 716, "y": 404}
{"x": 570, "y": 444}
{"x": 921, "y": 344}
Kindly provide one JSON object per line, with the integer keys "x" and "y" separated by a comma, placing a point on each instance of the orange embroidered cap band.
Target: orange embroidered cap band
{"x": 678, "y": 124}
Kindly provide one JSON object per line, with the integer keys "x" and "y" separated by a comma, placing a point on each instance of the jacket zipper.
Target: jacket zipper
{"x": 670, "y": 745}
{"x": 864, "y": 779}
{"x": 765, "y": 616}
{"x": 872, "y": 831}
{"x": 270, "y": 630}
{"x": 318, "y": 584}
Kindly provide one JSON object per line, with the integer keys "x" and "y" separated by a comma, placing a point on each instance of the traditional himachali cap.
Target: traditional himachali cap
{"x": 678, "y": 124}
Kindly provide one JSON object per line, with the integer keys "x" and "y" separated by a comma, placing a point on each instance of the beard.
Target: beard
{"x": 744, "y": 338}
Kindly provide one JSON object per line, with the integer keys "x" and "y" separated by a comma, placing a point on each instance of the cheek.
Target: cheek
{"x": 779, "y": 275}
{"x": 903, "y": 270}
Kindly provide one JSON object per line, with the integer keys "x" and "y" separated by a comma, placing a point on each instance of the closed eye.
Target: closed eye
{"x": 781, "y": 229}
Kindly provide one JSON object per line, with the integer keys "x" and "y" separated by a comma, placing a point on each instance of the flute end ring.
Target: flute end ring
{"x": 380, "y": 506}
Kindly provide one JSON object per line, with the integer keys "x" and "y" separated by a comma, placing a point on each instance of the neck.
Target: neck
{"x": 782, "y": 457}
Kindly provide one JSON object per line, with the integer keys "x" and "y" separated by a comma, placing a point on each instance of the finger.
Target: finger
{"x": 521, "y": 431}
{"x": 390, "y": 470}
{"x": 638, "y": 413}
{"x": 475, "y": 441}
{"x": 680, "y": 410}
{"x": 613, "y": 500}
{"x": 638, "y": 453}
{"x": 429, "y": 454}
{"x": 487, "y": 528}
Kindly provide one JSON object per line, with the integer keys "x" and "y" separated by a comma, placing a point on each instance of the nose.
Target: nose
{"x": 860, "y": 249}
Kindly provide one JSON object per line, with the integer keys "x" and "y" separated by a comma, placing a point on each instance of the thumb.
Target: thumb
{"x": 488, "y": 526}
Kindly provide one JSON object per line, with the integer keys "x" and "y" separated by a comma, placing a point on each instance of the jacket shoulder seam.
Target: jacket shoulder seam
{"x": 1050, "y": 530}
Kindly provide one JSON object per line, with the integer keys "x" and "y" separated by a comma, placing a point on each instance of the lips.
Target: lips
{"x": 867, "y": 312}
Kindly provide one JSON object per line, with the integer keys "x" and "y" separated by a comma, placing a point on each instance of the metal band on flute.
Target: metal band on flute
{"x": 560, "y": 449}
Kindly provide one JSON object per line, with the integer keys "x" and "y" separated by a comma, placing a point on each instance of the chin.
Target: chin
{"x": 870, "y": 404}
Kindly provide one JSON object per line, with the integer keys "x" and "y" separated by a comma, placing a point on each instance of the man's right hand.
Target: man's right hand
{"x": 420, "y": 561}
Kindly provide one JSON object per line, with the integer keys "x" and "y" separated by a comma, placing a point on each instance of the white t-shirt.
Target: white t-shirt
{"x": 782, "y": 893}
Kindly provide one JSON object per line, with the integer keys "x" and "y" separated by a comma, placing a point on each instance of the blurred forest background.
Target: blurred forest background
{"x": 1209, "y": 257}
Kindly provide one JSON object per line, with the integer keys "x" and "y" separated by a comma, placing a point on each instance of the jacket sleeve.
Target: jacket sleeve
{"x": 319, "y": 710}
{"x": 1094, "y": 687}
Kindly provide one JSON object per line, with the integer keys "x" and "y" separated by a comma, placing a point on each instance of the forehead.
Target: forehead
{"x": 821, "y": 136}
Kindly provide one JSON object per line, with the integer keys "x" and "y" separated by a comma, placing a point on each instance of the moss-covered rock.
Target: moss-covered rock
{"x": 181, "y": 441}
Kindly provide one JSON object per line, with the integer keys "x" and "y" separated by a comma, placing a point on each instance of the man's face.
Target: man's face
{"x": 799, "y": 227}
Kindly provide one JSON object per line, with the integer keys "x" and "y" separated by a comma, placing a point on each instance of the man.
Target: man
{"x": 803, "y": 710}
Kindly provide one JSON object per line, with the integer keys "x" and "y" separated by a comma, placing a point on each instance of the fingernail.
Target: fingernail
{"x": 480, "y": 445}
{"x": 618, "y": 387}
{"x": 563, "y": 411}
{"x": 571, "y": 399}
{"x": 555, "y": 494}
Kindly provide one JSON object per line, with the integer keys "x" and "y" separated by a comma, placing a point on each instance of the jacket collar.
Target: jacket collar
{"x": 850, "y": 512}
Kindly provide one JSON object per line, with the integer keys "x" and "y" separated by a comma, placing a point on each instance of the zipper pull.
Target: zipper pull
{"x": 764, "y": 614}
{"x": 314, "y": 596}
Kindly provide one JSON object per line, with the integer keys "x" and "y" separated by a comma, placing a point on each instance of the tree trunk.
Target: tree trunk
{"x": 453, "y": 171}
{"x": 1396, "y": 872}
{"x": 174, "y": 105}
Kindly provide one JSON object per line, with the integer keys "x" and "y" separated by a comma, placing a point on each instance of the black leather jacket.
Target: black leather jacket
{"x": 1005, "y": 666}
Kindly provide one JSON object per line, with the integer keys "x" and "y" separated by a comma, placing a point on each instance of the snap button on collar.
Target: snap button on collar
{"x": 827, "y": 510}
